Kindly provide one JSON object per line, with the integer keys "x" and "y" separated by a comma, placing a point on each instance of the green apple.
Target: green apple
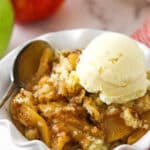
{"x": 6, "y": 24}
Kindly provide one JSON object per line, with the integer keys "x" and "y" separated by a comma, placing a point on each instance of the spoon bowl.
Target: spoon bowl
{"x": 25, "y": 66}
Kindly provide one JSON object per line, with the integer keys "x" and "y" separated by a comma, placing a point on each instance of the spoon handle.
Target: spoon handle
{"x": 12, "y": 87}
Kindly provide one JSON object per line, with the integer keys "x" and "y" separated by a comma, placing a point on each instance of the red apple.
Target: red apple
{"x": 33, "y": 10}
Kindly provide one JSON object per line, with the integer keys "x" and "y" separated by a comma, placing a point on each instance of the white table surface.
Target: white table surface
{"x": 115, "y": 15}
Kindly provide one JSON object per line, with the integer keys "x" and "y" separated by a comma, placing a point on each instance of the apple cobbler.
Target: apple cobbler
{"x": 56, "y": 109}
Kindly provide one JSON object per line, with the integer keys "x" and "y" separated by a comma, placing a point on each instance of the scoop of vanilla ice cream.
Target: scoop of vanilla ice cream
{"x": 113, "y": 64}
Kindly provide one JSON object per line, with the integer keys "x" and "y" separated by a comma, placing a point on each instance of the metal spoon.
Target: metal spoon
{"x": 25, "y": 66}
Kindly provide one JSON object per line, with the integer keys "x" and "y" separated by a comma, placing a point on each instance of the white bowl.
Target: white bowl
{"x": 10, "y": 137}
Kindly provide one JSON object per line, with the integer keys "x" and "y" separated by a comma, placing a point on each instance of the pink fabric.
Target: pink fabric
{"x": 143, "y": 33}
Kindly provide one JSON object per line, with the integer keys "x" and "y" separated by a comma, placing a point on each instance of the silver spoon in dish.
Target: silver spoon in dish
{"x": 26, "y": 65}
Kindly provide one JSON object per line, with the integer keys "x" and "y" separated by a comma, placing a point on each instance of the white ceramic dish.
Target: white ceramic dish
{"x": 10, "y": 137}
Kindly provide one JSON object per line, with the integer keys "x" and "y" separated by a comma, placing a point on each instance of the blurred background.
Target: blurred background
{"x": 36, "y": 17}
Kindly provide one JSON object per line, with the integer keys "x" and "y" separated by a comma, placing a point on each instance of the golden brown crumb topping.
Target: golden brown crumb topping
{"x": 60, "y": 112}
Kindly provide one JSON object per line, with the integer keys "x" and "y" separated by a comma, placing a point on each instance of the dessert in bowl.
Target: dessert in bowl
{"x": 93, "y": 98}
